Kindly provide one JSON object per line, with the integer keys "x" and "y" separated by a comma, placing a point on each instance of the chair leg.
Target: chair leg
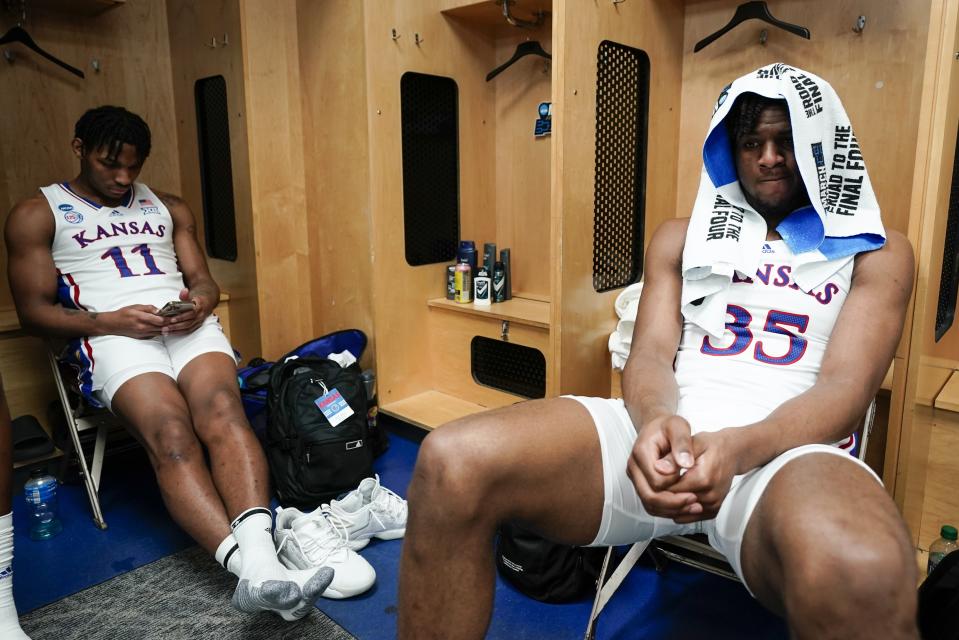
{"x": 867, "y": 423}
{"x": 88, "y": 480}
{"x": 99, "y": 449}
{"x": 605, "y": 591}
{"x": 659, "y": 559}
{"x": 594, "y": 612}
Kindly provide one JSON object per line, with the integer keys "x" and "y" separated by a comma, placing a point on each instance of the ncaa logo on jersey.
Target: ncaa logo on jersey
{"x": 73, "y": 217}
{"x": 147, "y": 206}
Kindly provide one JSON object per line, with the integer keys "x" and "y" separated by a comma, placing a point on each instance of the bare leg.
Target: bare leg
{"x": 240, "y": 474}
{"x": 155, "y": 408}
{"x": 156, "y": 412}
{"x": 827, "y": 548}
{"x": 237, "y": 463}
{"x": 537, "y": 462}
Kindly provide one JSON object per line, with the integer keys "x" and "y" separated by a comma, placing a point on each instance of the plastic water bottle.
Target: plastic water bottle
{"x": 939, "y": 549}
{"x": 41, "y": 494}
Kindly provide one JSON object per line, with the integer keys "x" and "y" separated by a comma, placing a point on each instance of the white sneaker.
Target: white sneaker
{"x": 313, "y": 540}
{"x": 371, "y": 511}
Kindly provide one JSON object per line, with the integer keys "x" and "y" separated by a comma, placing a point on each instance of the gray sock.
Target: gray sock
{"x": 311, "y": 591}
{"x": 271, "y": 595}
{"x": 315, "y": 586}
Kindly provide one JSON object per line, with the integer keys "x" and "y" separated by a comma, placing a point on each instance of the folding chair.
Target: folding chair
{"x": 692, "y": 550}
{"x": 79, "y": 416}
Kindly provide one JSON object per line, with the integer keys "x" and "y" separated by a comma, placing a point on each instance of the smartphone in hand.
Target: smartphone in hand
{"x": 175, "y": 307}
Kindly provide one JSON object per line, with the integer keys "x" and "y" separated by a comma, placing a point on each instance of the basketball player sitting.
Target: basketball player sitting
{"x": 94, "y": 260}
{"x": 725, "y": 436}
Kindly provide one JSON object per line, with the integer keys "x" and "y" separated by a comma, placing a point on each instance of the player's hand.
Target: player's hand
{"x": 190, "y": 320}
{"x": 711, "y": 476}
{"x": 662, "y": 450}
{"x": 135, "y": 321}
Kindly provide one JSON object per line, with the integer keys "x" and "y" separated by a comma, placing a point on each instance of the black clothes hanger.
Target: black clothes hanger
{"x": 752, "y": 11}
{"x": 18, "y": 34}
{"x": 528, "y": 48}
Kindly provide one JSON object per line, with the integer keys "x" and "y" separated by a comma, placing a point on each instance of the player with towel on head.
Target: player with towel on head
{"x": 766, "y": 325}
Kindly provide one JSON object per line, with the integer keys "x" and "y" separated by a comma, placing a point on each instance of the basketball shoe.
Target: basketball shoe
{"x": 313, "y": 540}
{"x": 371, "y": 511}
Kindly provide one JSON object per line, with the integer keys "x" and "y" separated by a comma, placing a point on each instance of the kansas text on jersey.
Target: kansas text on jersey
{"x": 112, "y": 257}
{"x": 772, "y": 349}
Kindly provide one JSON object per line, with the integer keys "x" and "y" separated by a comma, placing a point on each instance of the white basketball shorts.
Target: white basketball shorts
{"x": 625, "y": 519}
{"x": 104, "y": 363}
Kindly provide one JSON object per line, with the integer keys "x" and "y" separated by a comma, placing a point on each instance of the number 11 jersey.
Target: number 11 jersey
{"x": 111, "y": 257}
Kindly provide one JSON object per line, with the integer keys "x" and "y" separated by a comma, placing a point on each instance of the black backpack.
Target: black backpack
{"x": 254, "y": 380}
{"x": 939, "y": 601}
{"x": 545, "y": 570}
{"x": 311, "y": 460}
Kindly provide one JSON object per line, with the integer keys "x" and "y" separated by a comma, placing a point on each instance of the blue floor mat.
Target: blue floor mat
{"x": 678, "y": 603}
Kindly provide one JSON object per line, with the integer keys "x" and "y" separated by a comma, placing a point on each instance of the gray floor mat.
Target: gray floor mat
{"x": 185, "y": 596}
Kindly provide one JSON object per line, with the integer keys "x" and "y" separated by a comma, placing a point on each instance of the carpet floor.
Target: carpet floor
{"x": 185, "y": 596}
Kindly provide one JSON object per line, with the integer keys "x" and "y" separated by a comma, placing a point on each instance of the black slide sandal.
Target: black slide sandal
{"x": 29, "y": 439}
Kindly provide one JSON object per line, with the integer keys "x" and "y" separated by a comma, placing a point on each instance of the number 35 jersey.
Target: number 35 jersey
{"x": 112, "y": 257}
{"x": 772, "y": 348}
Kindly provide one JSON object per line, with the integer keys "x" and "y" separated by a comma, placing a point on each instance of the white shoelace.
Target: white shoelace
{"x": 318, "y": 548}
{"x": 394, "y": 505}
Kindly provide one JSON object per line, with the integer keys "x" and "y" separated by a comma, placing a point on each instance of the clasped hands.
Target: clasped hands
{"x": 143, "y": 321}
{"x": 678, "y": 475}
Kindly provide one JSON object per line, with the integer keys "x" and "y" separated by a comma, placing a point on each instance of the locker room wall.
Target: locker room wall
{"x": 192, "y": 27}
{"x": 295, "y": 74}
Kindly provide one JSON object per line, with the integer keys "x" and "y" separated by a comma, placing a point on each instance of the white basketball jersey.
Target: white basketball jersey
{"x": 771, "y": 351}
{"x": 112, "y": 257}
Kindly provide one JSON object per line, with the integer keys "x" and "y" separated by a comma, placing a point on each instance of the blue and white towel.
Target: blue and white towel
{"x": 726, "y": 235}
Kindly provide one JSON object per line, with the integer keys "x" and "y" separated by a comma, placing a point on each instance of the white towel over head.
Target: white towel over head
{"x": 726, "y": 235}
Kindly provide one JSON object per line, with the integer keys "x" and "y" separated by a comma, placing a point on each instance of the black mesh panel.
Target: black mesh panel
{"x": 619, "y": 205}
{"x": 509, "y": 367}
{"x": 948, "y": 284}
{"x": 216, "y": 169}
{"x": 431, "y": 212}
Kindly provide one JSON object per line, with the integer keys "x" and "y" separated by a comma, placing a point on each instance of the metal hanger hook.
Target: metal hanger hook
{"x": 516, "y": 22}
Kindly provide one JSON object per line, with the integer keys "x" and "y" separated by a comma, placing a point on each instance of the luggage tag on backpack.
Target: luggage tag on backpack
{"x": 334, "y": 406}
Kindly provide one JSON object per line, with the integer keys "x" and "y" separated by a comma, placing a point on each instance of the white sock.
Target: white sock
{"x": 228, "y": 555}
{"x": 9, "y": 623}
{"x": 272, "y": 593}
{"x": 263, "y": 584}
{"x": 253, "y": 530}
